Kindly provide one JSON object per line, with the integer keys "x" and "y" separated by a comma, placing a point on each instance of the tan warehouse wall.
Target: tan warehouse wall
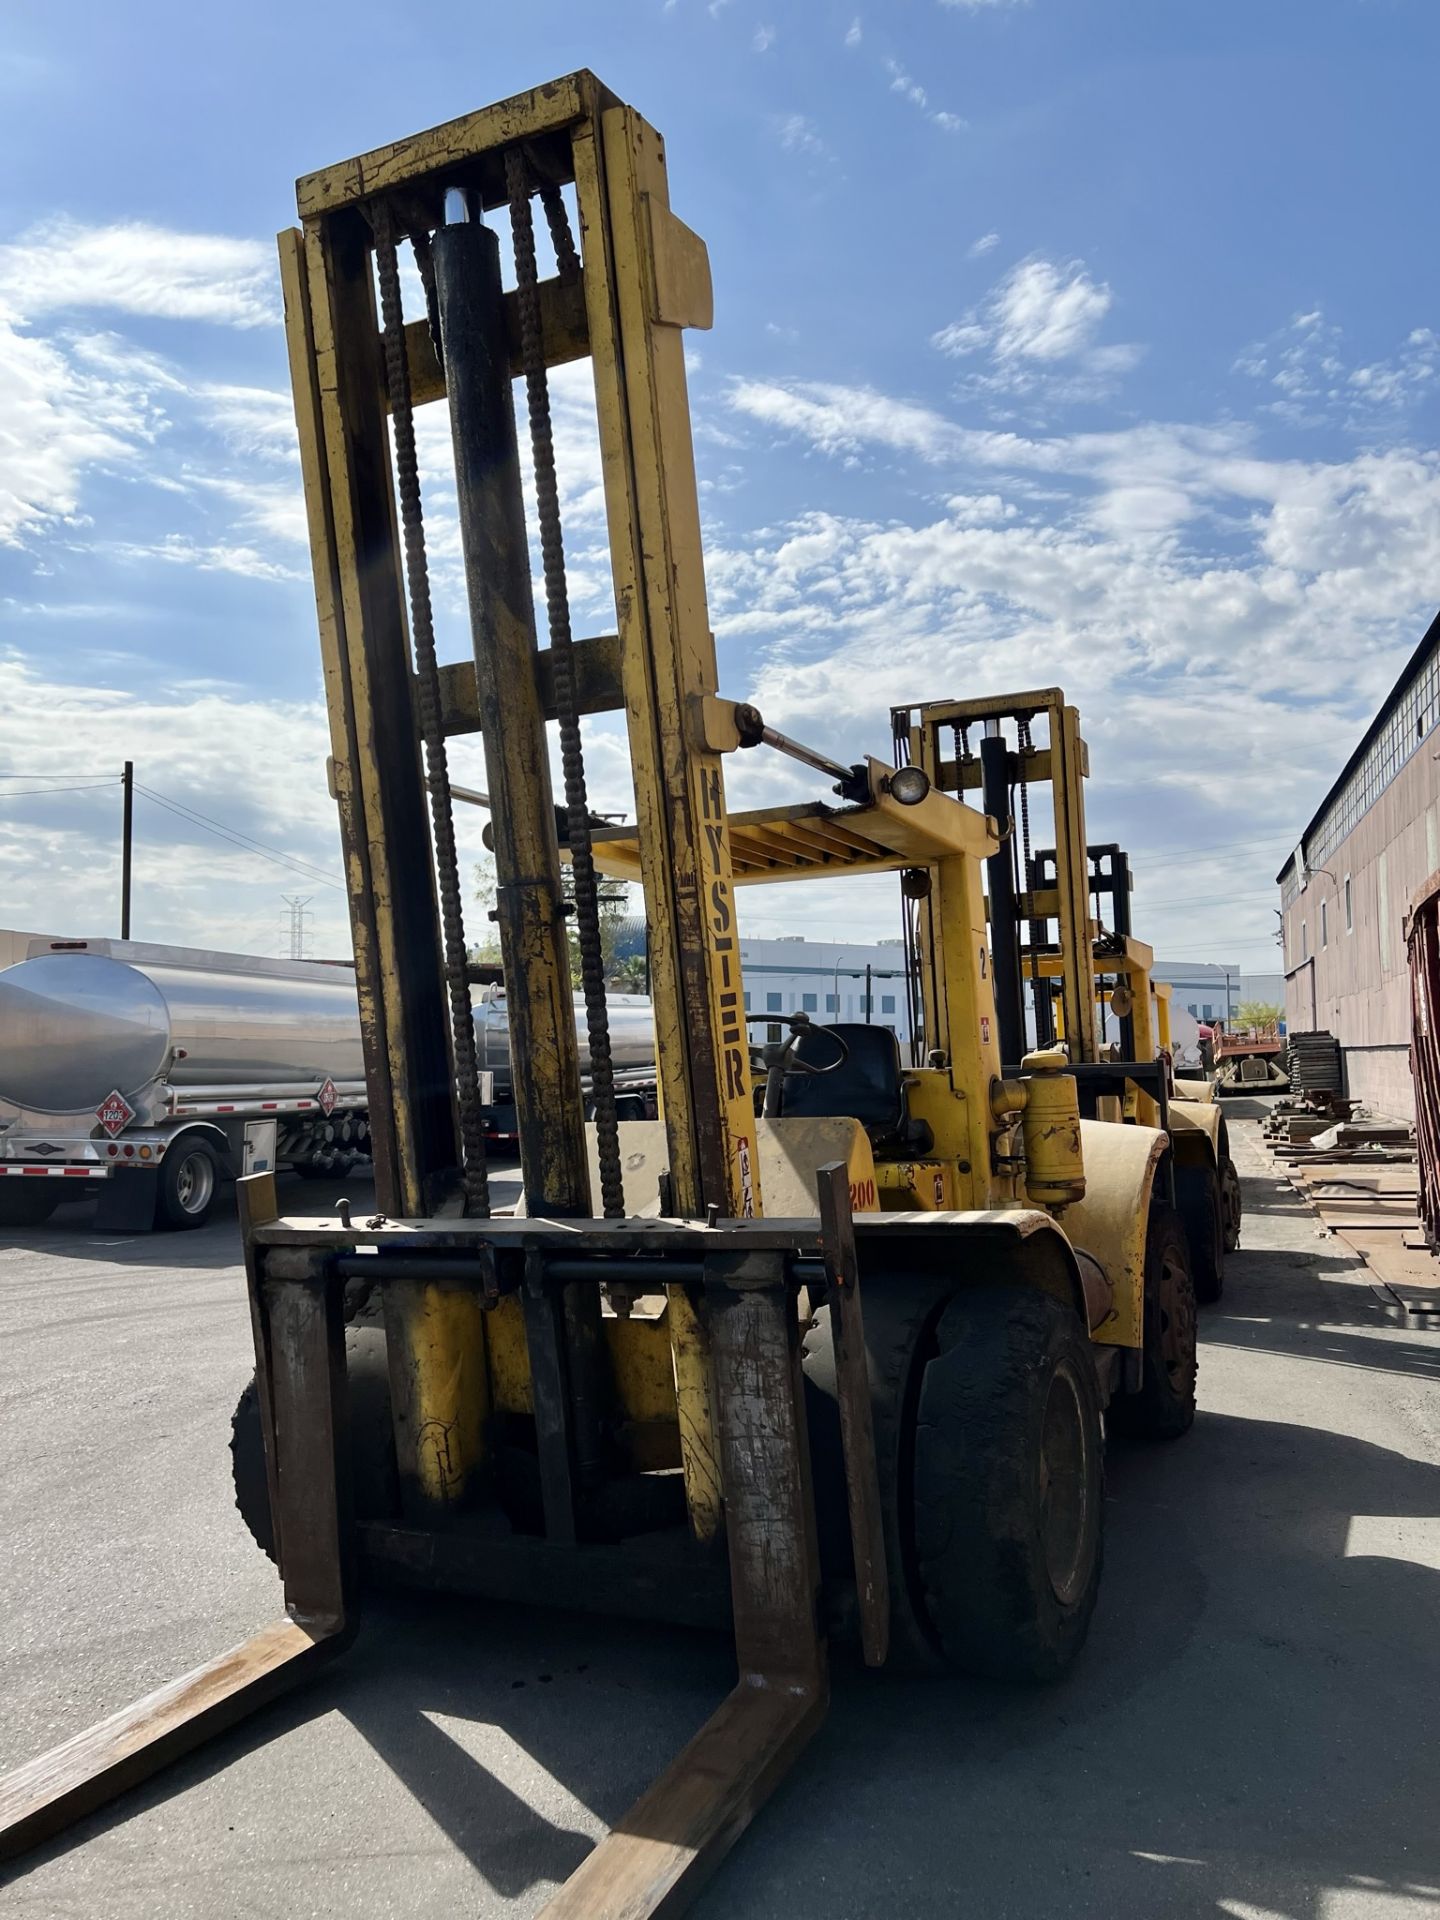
{"x": 1354, "y": 980}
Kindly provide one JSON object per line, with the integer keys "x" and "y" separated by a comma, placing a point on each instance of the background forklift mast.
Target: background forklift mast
{"x": 1060, "y": 927}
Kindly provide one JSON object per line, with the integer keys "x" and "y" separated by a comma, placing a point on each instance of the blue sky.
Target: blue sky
{"x": 1076, "y": 341}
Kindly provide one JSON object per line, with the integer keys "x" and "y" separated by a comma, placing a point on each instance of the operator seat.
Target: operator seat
{"x": 868, "y": 1086}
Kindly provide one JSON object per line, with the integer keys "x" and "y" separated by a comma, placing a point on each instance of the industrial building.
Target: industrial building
{"x": 1213, "y": 989}
{"x": 1344, "y": 891}
{"x": 833, "y": 980}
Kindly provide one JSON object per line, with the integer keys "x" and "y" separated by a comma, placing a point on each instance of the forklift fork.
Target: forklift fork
{"x": 654, "y": 1860}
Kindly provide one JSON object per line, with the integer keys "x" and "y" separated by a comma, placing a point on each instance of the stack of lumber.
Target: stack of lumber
{"x": 1362, "y": 1179}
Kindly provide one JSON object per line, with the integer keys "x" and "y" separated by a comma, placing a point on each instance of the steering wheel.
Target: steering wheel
{"x": 778, "y": 1059}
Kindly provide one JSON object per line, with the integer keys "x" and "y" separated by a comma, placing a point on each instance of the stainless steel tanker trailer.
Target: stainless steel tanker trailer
{"x": 157, "y": 1072}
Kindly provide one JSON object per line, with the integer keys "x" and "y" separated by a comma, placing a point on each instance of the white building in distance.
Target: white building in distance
{"x": 827, "y": 979}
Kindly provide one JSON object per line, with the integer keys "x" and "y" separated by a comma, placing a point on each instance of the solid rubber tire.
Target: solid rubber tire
{"x": 1230, "y": 1203}
{"x": 1163, "y": 1409}
{"x": 989, "y": 1596}
{"x": 899, "y": 1313}
{"x": 1197, "y": 1190}
{"x": 374, "y": 1477}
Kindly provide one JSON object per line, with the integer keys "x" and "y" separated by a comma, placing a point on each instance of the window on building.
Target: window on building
{"x": 772, "y": 1003}
{"x": 808, "y": 1003}
{"x": 887, "y": 1003}
{"x": 772, "y": 1033}
{"x": 1324, "y": 923}
{"x": 1349, "y": 907}
{"x": 832, "y": 1003}
{"x": 747, "y": 1003}
{"x": 1207, "y": 1011}
{"x": 1193, "y": 1009}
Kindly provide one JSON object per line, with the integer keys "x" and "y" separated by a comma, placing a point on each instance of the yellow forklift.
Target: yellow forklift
{"x": 654, "y": 1389}
{"x": 1062, "y": 943}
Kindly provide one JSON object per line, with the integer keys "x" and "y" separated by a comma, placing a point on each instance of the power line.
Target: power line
{"x": 236, "y": 838}
{"x": 33, "y": 793}
{"x": 61, "y": 773}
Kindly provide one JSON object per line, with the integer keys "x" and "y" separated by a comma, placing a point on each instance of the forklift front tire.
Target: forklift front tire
{"x": 1009, "y": 1483}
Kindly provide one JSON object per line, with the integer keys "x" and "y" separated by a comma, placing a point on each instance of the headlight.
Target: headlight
{"x": 909, "y": 785}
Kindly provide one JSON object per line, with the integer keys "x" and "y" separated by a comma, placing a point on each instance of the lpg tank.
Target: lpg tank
{"x": 77, "y": 1025}
{"x": 632, "y": 1034}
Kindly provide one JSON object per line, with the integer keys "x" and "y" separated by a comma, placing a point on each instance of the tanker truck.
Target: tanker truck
{"x": 151, "y": 1074}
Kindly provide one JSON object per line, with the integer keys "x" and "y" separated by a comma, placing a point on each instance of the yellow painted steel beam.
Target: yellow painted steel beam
{"x": 443, "y": 154}
{"x": 646, "y": 278}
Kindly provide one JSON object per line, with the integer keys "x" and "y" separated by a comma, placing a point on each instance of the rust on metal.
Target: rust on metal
{"x": 857, "y": 1428}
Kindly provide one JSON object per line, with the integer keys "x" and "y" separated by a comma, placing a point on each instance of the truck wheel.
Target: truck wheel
{"x": 1230, "y": 1204}
{"x": 189, "y": 1174}
{"x": 988, "y": 1441}
{"x": 1009, "y": 1484}
{"x": 1164, "y": 1408}
{"x": 27, "y": 1202}
{"x": 372, "y": 1445}
{"x": 1197, "y": 1190}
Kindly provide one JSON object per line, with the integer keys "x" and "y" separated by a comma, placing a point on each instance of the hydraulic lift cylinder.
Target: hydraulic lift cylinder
{"x": 529, "y": 903}
{"x": 1004, "y": 917}
{"x": 549, "y": 1109}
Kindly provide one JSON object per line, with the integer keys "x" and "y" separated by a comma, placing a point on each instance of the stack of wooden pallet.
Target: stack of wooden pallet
{"x": 1362, "y": 1180}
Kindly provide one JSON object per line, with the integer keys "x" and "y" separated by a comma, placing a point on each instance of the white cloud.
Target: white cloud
{"x": 764, "y": 39}
{"x": 798, "y": 134}
{"x": 853, "y": 35}
{"x": 1305, "y": 366}
{"x": 1038, "y": 312}
{"x": 132, "y": 267}
{"x": 909, "y": 88}
{"x": 985, "y": 244}
{"x": 1169, "y": 559}
{"x": 255, "y": 764}
{"x": 1038, "y": 327}
{"x": 843, "y": 420}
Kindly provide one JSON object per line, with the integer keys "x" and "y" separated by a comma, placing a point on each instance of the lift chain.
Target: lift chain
{"x": 1037, "y": 927}
{"x": 557, "y": 609}
{"x": 566, "y": 257}
{"x": 427, "y": 684}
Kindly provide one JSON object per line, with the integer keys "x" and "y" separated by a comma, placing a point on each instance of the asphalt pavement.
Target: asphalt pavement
{"x": 1251, "y": 1730}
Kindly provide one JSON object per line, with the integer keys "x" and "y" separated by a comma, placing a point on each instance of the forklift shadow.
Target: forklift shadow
{"x": 1249, "y": 1728}
{"x": 1250, "y": 1721}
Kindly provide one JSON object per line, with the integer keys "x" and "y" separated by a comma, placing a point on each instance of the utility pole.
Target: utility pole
{"x": 297, "y": 903}
{"x": 127, "y": 823}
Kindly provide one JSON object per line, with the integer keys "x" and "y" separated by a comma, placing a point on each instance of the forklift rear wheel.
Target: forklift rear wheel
{"x": 1164, "y": 1408}
{"x": 1197, "y": 1189}
{"x": 374, "y": 1476}
{"x": 1230, "y": 1206}
{"x": 188, "y": 1178}
{"x": 27, "y": 1202}
{"x": 989, "y": 1443}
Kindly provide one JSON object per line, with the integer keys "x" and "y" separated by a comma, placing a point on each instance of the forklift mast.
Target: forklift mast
{"x": 598, "y": 169}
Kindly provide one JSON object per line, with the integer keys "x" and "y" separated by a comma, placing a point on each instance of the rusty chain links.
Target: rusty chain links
{"x": 427, "y": 684}
{"x": 1037, "y": 927}
{"x": 557, "y": 610}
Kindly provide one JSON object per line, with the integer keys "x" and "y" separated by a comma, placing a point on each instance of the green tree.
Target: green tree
{"x": 627, "y": 973}
{"x": 1257, "y": 1013}
{"x": 485, "y": 949}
